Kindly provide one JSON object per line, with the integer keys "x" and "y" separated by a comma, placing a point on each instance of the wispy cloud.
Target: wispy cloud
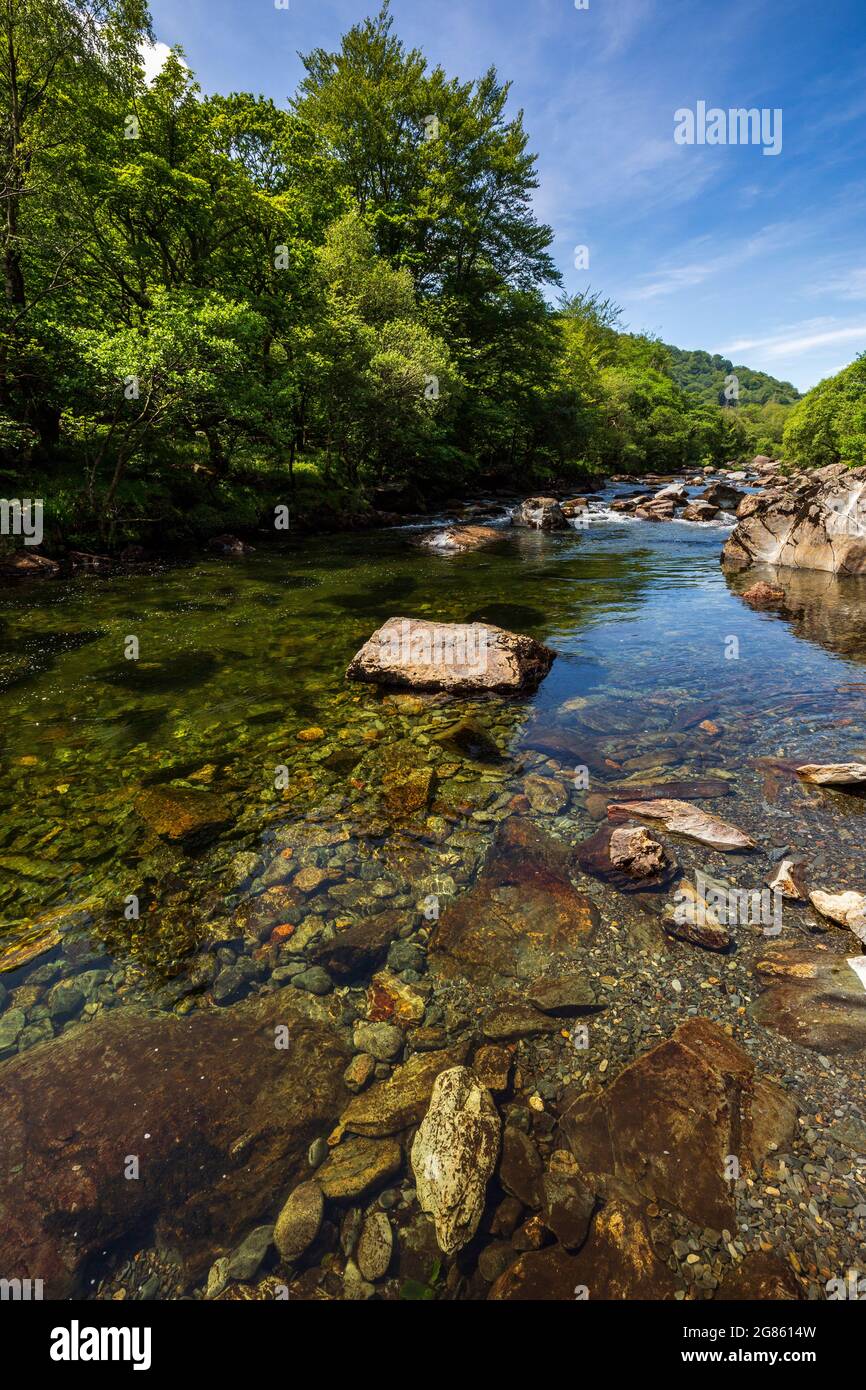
{"x": 673, "y": 277}
{"x": 800, "y": 338}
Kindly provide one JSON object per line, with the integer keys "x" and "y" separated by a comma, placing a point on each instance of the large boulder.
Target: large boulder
{"x": 217, "y": 1114}
{"x": 521, "y": 911}
{"x": 541, "y": 514}
{"x": 814, "y": 997}
{"x": 457, "y": 657}
{"x": 816, "y": 523}
{"x": 671, "y": 1121}
{"x": 454, "y": 1154}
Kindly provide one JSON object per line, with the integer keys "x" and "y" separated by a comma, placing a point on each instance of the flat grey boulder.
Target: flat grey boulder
{"x": 817, "y": 522}
{"x": 456, "y": 657}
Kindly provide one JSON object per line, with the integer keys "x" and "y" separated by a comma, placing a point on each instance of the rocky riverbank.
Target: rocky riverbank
{"x": 469, "y": 1008}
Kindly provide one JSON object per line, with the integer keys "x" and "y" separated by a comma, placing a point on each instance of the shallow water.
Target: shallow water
{"x": 238, "y": 657}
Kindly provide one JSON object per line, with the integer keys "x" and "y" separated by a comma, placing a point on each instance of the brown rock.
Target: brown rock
{"x": 181, "y": 815}
{"x": 360, "y": 948}
{"x": 457, "y": 657}
{"x": 358, "y": 1166}
{"x": 763, "y": 596}
{"x": 816, "y": 523}
{"x": 214, "y": 1142}
{"x": 760, "y": 1278}
{"x": 671, "y": 1119}
{"x": 814, "y": 997}
{"x": 402, "y": 1099}
{"x": 522, "y": 910}
{"x": 457, "y": 539}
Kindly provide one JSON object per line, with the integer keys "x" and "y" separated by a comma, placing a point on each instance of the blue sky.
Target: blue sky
{"x": 761, "y": 258}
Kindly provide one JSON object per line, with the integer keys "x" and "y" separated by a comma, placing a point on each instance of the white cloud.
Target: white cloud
{"x": 154, "y": 56}
{"x": 800, "y": 338}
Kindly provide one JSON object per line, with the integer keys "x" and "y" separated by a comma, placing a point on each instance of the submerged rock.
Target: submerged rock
{"x": 456, "y": 657}
{"x": 671, "y": 1120}
{"x": 522, "y": 909}
{"x": 814, "y": 997}
{"x": 626, "y": 856}
{"x": 762, "y": 596}
{"x": 454, "y": 1154}
{"x": 818, "y": 523}
{"x": 298, "y": 1223}
{"x": 181, "y": 815}
{"x": 213, "y": 1141}
{"x": 682, "y": 819}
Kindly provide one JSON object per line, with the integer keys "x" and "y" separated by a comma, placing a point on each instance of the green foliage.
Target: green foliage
{"x": 213, "y": 304}
{"x": 829, "y": 424}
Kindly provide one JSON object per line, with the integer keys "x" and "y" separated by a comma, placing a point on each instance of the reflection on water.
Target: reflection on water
{"x": 241, "y": 670}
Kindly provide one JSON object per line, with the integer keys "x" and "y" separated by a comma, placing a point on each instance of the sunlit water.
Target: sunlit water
{"x": 239, "y": 657}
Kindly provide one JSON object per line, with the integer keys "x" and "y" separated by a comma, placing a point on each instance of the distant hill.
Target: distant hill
{"x": 704, "y": 373}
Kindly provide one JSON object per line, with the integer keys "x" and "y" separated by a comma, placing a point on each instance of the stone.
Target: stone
{"x": 536, "y": 1276}
{"x": 455, "y": 657}
{"x": 760, "y": 1277}
{"x": 510, "y": 1021}
{"x": 567, "y": 1206}
{"x": 683, "y": 819}
{"x": 636, "y": 852}
{"x": 453, "y": 1156}
{"x": 492, "y": 1067}
{"x": 182, "y": 815}
{"x": 691, "y": 918}
{"x": 391, "y": 998}
{"x": 813, "y": 523}
{"x": 564, "y": 994}
{"x": 626, "y": 856}
{"x": 699, "y": 511}
{"x": 520, "y": 1167}
{"x": 12, "y": 1023}
{"x": 357, "y": 1166}
{"x": 469, "y": 738}
{"x": 245, "y": 1260}
{"x": 834, "y": 774}
{"x": 215, "y": 1137}
{"x": 457, "y": 539}
{"x": 540, "y": 514}
{"x": 545, "y": 794}
{"x": 64, "y": 1001}
{"x": 788, "y": 878}
{"x": 315, "y": 980}
{"x": 813, "y": 997}
{"x": 360, "y": 1071}
{"x": 763, "y": 596}
{"x": 298, "y": 1223}
{"x": 394, "y": 1104}
{"x": 723, "y": 495}
{"x": 382, "y": 1040}
{"x": 360, "y": 948}
{"x": 668, "y": 1123}
{"x": 375, "y": 1246}
{"x": 522, "y": 910}
{"x": 845, "y": 909}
